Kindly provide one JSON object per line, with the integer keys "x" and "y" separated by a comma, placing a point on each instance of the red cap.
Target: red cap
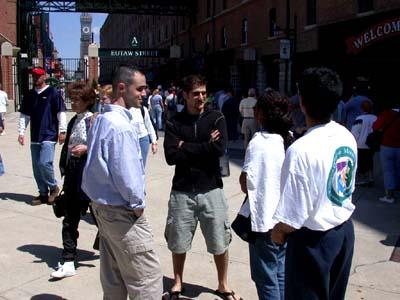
{"x": 38, "y": 71}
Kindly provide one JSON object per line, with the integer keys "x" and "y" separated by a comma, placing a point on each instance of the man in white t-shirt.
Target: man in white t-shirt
{"x": 249, "y": 126}
{"x": 315, "y": 206}
{"x": 3, "y": 106}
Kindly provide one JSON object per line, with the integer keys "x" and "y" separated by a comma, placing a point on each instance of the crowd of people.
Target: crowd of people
{"x": 298, "y": 197}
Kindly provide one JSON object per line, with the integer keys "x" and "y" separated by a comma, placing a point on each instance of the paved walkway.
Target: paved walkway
{"x": 31, "y": 238}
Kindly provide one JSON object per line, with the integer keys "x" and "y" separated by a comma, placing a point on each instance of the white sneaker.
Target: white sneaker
{"x": 64, "y": 270}
{"x": 386, "y": 199}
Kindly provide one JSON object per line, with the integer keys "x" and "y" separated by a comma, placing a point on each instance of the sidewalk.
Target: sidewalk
{"x": 31, "y": 243}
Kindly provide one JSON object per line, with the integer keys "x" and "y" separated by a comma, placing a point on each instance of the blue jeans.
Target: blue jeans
{"x": 390, "y": 160}
{"x": 267, "y": 265}
{"x": 156, "y": 115}
{"x": 1, "y": 166}
{"x": 144, "y": 143}
{"x": 42, "y": 165}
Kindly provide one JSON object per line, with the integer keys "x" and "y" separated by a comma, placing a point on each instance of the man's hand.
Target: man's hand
{"x": 215, "y": 135}
{"x": 79, "y": 150}
{"x": 21, "y": 140}
{"x": 279, "y": 233}
{"x": 138, "y": 212}
{"x": 154, "y": 148}
{"x": 61, "y": 137}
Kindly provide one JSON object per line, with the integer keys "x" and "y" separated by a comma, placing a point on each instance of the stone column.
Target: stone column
{"x": 93, "y": 54}
{"x": 6, "y": 69}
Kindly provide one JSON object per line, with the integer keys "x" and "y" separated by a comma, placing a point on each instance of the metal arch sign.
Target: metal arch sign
{"x": 138, "y": 52}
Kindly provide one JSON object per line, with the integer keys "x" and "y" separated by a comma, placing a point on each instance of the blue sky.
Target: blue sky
{"x": 65, "y": 28}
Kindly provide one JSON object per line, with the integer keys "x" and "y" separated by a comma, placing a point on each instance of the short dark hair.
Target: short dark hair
{"x": 320, "y": 90}
{"x": 82, "y": 91}
{"x": 275, "y": 118}
{"x": 192, "y": 81}
{"x": 123, "y": 73}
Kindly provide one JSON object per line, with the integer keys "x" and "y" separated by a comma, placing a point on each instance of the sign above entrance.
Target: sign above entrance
{"x": 134, "y": 42}
{"x": 373, "y": 34}
{"x": 138, "y": 52}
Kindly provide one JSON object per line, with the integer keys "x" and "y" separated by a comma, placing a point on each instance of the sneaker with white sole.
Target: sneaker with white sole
{"x": 386, "y": 199}
{"x": 64, "y": 270}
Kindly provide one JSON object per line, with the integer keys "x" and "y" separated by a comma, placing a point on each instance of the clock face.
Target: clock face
{"x": 85, "y": 29}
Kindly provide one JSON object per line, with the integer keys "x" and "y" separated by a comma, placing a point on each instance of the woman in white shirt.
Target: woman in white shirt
{"x": 260, "y": 180}
{"x": 145, "y": 131}
{"x": 72, "y": 161}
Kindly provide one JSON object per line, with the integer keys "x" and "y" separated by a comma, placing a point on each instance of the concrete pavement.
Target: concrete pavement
{"x": 31, "y": 238}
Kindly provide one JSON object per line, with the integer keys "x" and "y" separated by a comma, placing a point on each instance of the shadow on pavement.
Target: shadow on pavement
{"x": 190, "y": 290}
{"x": 51, "y": 255}
{"x": 16, "y": 197}
{"x": 375, "y": 214}
{"x": 47, "y": 297}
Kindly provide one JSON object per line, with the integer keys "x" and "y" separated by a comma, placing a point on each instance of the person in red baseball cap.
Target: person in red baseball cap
{"x": 44, "y": 108}
{"x": 38, "y": 71}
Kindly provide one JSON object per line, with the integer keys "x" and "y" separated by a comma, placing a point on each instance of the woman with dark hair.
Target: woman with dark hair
{"x": 72, "y": 162}
{"x": 260, "y": 180}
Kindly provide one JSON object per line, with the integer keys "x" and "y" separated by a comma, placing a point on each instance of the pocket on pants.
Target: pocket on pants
{"x": 143, "y": 259}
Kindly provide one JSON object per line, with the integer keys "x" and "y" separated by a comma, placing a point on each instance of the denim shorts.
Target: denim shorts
{"x": 185, "y": 210}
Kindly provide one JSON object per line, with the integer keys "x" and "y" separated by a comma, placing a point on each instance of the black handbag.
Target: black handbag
{"x": 374, "y": 140}
{"x": 59, "y": 205}
{"x": 242, "y": 227}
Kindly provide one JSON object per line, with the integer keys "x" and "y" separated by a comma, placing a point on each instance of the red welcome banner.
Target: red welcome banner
{"x": 373, "y": 34}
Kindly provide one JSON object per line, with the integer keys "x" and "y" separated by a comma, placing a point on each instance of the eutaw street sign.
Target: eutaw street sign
{"x": 138, "y": 52}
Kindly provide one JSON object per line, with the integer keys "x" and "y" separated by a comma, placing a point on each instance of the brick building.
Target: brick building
{"x": 8, "y": 42}
{"x": 239, "y": 42}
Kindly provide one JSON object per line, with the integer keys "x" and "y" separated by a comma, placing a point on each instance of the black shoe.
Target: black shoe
{"x": 41, "y": 199}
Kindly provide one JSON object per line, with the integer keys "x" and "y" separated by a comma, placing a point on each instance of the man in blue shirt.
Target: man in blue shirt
{"x": 114, "y": 179}
{"x": 44, "y": 107}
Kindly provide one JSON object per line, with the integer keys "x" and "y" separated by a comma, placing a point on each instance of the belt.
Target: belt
{"x": 248, "y": 118}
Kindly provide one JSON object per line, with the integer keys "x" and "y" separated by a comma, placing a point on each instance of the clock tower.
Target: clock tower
{"x": 86, "y": 33}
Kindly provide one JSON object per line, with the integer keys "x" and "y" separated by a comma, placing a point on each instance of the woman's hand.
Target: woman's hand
{"x": 154, "y": 148}
{"x": 79, "y": 150}
{"x": 243, "y": 182}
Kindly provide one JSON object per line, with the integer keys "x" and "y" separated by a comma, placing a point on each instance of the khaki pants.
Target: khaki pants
{"x": 128, "y": 263}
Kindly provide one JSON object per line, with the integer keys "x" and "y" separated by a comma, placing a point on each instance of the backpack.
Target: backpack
{"x": 171, "y": 104}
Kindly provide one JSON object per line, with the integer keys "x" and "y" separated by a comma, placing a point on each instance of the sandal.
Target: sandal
{"x": 226, "y": 295}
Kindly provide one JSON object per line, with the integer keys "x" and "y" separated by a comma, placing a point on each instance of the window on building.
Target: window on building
{"x": 159, "y": 35}
{"x": 183, "y": 23}
{"x": 208, "y": 8}
{"x": 182, "y": 50}
{"x": 272, "y": 25}
{"x": 244, "y": 31}
{"x": 224, "y": 39}
{"x": 365, "y": 5}
{"x": 166, "y": 32}
{"x": 224, "y": 4}
{"x": 193, "y": 44}
{"x": 311, "y": 12}
{"x": 206, "y": 41}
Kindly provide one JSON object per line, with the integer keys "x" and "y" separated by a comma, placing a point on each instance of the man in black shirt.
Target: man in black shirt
{"x": 194, "y": 141}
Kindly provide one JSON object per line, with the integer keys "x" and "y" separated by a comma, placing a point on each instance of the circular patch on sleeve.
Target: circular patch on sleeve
{"x": 341, "y": 178}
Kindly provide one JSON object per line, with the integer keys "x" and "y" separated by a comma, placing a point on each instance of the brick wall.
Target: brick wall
{"x": 8, "y": 23}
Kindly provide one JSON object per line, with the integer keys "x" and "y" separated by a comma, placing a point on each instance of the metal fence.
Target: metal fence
{"x": 70, "y": 70}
